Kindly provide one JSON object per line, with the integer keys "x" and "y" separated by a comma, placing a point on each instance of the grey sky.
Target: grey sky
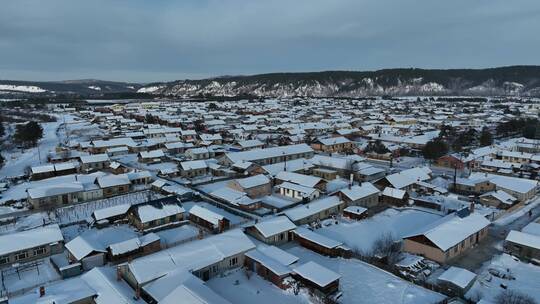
{"x": 166, "y": 40}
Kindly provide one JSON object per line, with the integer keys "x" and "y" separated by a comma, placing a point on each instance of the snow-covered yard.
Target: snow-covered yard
{"x": 488, "y": 286}
{"x": 362, "y": 234}
{"x": 364, "y": 283}
{"x": 29, "y": 278}
{"x": 253, "y": 290}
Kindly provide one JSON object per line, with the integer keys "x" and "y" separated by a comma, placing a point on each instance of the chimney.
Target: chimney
{"x": 471, "y": 207}
{"x": 41, "y": 291}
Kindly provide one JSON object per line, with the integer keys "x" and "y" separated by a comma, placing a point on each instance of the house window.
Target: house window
{"x": 233, "y": 261}
{"x": 214, "y": 268}
{"x": 4, "y": 260}
{"x": 21, "y": 255}
{"x": 39, "y": 250}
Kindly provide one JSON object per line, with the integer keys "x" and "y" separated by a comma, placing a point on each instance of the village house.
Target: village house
{"x": 154, "y": 156}
{"x": 113, "y": 185}
{"x": 319, "y": 279}
{"x": 298, "y": 192}
{"x": 498, "y": 199}
{"x": 320, "y": 244}
{"x": 338, "y": 144}
{"x": 448, "y": 237}
{"x": 315, "y": 211}
{"x": 355, "y": 212}
{"x": 254, "y": 186}
{"x": 394, "y": 197}
{"x": 29, "y": 245}
{"x": 94, "y": 162}
{"x": 271, "y": 263}
{"x": 274, "y": 231}
{"x": 161, "y": 212}
{"x": 199, "y": 153}
{"x": 193, "y": 168}
{"x": 208, "y": 219}
{"x": 269, "y": 155}
{"x": 365, "y": 195}
{"x": 301, "y": 179}
{"x": 524, "y": 244}
{"x": 469, "y": 186}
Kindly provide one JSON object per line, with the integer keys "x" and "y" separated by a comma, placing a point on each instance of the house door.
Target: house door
{"x": 65, "y": 199}
{"x": 206, "y": 275}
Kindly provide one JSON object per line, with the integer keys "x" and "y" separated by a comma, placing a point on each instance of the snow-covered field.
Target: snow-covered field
{"x": 17, "y": 161}
{"x": 363, "y": 234}
{"x": 21, "y": 88}
{"x": 364, "y": 283}
{"x": 254, "y": 290}
{"x": 31, "y": 277}
{"x": 487, "y": 286}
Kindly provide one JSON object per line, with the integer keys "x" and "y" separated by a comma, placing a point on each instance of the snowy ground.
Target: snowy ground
{"x": 362, "y": 234}
{"x": 363, "y": 283}
{"x": 511, "y": 217}
{"x": 254, "y": 290}
{"x": 17, "y": 160}
{"x": 487, "y": 286}
{"x": 29, "y": 278}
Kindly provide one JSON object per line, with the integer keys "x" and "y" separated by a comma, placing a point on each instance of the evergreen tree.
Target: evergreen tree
{"x": 486, "y": 138}
{"x": 29, "y": 133}
{"x": 435, "y": 148}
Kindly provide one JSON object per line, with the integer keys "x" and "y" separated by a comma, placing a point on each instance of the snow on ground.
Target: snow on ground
{"x": 253, "y": 290}
{"x": 30, "y": 277}
{"x": 234, "y": 219}
{"x": 363, "y": 234}
{"x": 21, "y": 88}
{"x": 364, "y": 283}
{"x": 513, "y": 216}
{"x": 149, "y": 89}
{"x": 17, "y": 161}
{"x": 178, "y": 235}
{"x": 487, "y": 286}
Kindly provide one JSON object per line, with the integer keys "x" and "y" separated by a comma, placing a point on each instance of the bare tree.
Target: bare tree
{"x": 386, "y": 246}
{"x": 513, "y": 297}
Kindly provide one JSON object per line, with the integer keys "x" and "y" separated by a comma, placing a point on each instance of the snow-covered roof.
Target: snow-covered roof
{"x": 355, "y": 210}
{"x": 253, "y": 181}
{"x": 96, "y": 158}
{"x": 303, "y": 211}
{"x": 525, "y": 239}
{"x": 333, "y": 140}
{"x": 55, "y": 189}
{"x": 458, "y": 276}
{"x": 516, "y": 184}
{"x": 232, "y": 196}
{"x": 301, "y": 179}
{"x": 112, "y": 180}
{"x": 206, "y": 214}
{"x": 104, "y": 213}
{"x": 268, "y": 262}
{"x": 357, "y": 192}
{"x": 275, "y": 226}
{"x": 193, "y": 165}
{"x": 257, "y": 154}
{"x": 452, "y": 229}
{"x": 152, "y": 154}
{"x": 23, "y": 240}
{"x": 316, "y": 273}
{"x": 151, "y": 212}
{"x": 190, "y": 256}
{"x": 394, "y": 193}
{"x": 501, "y": 196}
{"x": 317, "y": 238}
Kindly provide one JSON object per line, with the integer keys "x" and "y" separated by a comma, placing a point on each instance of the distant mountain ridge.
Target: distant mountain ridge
{"x": 502, "y": 81}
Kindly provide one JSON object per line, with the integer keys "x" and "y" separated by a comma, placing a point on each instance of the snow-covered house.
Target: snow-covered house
{"x": 94, "y": 162}
{"x": 193, "y": 168}
{"x": 319, "y": 279}
{"x": 208, "y": 219}
{"x": 276, "y": 230}
{"x": 156, "y": 213}
{"x": 254, "y": 186}
{"x": 271, "y": 263}
{"x": 29, "y": 245}
{"x": 448, "y": 237}
{"x": 365, "y": 195}
{"x": 316, "y": 210}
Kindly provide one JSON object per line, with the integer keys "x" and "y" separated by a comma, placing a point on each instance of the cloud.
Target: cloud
{"x": 166, "y": 39}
